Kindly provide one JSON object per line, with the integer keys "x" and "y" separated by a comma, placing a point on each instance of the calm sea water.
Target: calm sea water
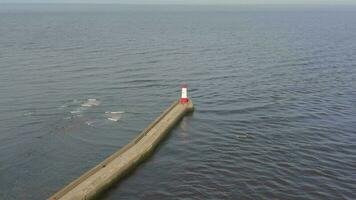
{"x": 274, "y": 90}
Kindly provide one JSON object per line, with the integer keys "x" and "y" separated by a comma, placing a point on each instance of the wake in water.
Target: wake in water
{"x": 78, "y": 107}
{"x": 81, "y": 109}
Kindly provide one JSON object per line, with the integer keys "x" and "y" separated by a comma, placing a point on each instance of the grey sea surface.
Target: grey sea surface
{"x": 274, "y": 90}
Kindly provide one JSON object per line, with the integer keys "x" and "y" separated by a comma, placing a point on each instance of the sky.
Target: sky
{"x": 222, "y": 2}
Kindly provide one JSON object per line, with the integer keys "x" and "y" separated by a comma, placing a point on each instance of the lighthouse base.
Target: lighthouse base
{"x": 184, "y": 100}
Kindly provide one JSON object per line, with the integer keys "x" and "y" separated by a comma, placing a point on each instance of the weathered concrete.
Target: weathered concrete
{"x": 102, "y": 176}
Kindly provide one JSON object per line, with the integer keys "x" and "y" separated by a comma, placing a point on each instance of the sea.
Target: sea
{"x": 274, "y": 89}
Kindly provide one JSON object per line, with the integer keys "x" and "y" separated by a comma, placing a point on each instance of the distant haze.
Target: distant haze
{"x": 329, "y": 2}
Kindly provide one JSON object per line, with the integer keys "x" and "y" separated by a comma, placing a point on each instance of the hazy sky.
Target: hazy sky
{"x": 189, "y": 1}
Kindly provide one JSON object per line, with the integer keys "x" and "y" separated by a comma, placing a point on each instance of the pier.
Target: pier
{"x": 116, "y": 166}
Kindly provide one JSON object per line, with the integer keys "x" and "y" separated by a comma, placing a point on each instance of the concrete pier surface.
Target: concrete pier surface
{"x": 102, "y": 176}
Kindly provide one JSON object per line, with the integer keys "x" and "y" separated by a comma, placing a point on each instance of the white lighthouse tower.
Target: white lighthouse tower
{"x": 184, "y": 97}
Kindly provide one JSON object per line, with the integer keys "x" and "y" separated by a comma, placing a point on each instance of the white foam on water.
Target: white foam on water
{"x": 63, "y": 106}
{"x": 85, "y": 105}
{"x": 114, "y": 116}
{"x": 113, "y": 119}
{"x": 77, "y": 111}
{"x": 89, "y": 123}
{"x": 28, "y": 114}
{"x": 91, "y": 103}
{"x": 117, "y": 112}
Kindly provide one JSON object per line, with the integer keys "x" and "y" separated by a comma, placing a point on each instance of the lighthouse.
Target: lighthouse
{"x": 184, "y": 97}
